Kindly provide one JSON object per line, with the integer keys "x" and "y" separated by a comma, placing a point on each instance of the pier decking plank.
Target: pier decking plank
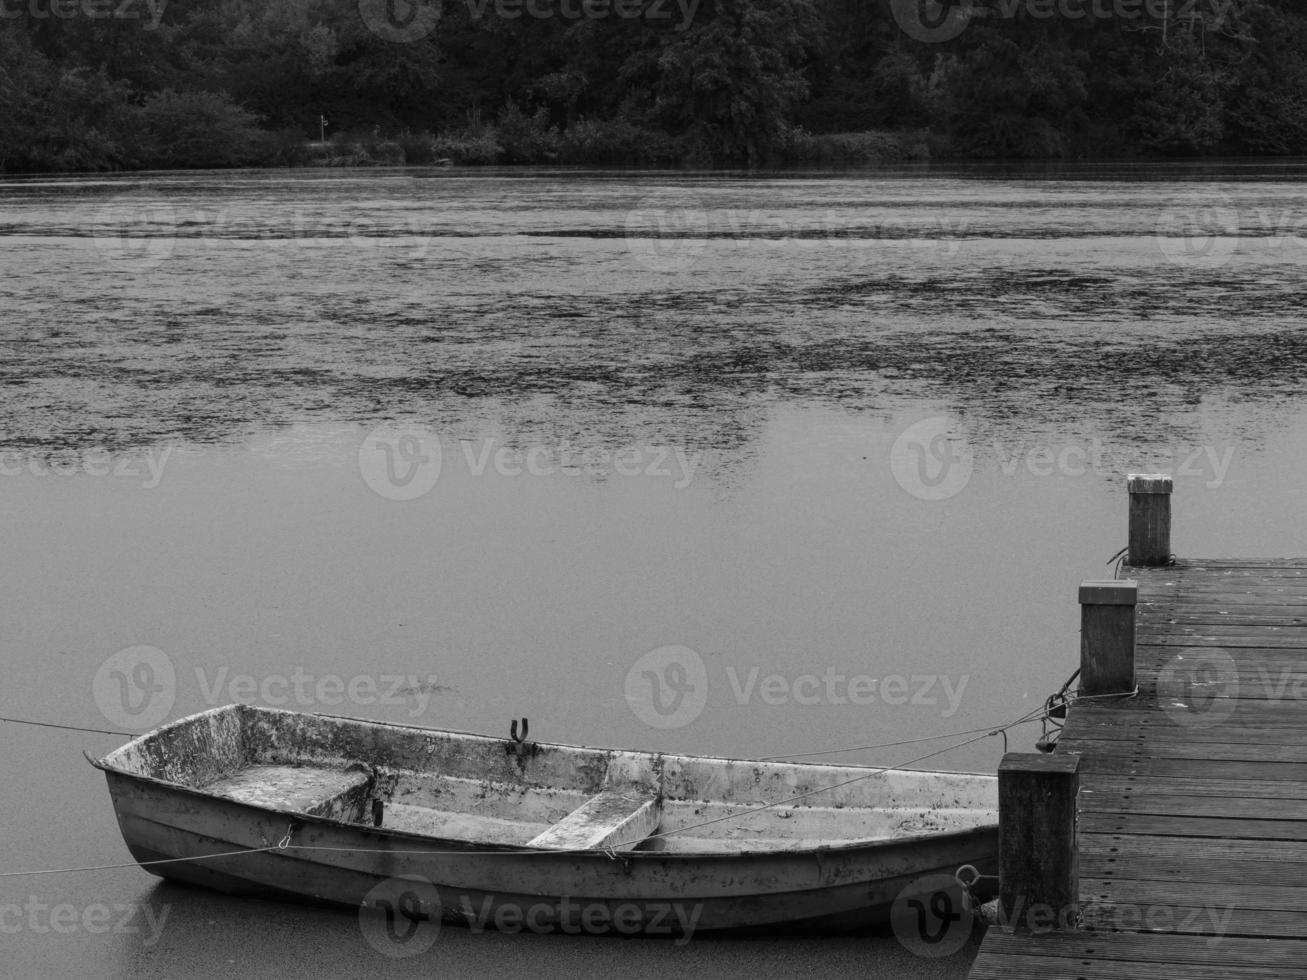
{"x": 1192, "y": 813}
{"x": 1215, "y": 870}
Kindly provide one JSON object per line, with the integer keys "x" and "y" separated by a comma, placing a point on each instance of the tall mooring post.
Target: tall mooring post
{"x": 1150, "y": 519}
{"x": 1039, "y": 878}
{"x": 1107, "y": 636}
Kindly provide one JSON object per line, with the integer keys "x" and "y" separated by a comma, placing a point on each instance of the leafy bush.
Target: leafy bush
{"x": 360, "y": 149}
{"x": 825, "y": 149}
{"x": 282, "y": 148}
{"x": 616, "y": 142}
{"x": 1008, "y": 135}
{"x": 526, "y": 139}
{"x": 198, "y": 129}
{"x": 468, "y": 148}
{"x": 419, "y": 148}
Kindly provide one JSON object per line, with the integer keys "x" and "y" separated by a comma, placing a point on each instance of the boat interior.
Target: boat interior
{"x": 483, "y": 790}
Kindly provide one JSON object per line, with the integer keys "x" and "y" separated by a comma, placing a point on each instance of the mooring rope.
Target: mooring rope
{"x": 1032, "y": 715}
{"x": 139, "y": 864}
{"x": 68, "y": 728}
{"x": 279, "y": 846}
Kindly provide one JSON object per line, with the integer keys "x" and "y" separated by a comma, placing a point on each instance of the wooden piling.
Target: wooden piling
{"x": 1107, "y": 636}
{"x": 1039, "y": 880}
{"x": 1150, "y": 519}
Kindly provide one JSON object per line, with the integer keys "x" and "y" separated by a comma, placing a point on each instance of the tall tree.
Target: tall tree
{"x": 729, "y": 81}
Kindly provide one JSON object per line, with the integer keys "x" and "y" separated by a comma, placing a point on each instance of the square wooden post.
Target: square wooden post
{"x": 1150, "y": 519}
{"x": 1107, "y": 636}
{"x": 1039, "y": 877}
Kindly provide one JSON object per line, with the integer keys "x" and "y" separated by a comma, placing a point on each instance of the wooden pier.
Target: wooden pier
{"x": 1174, "y": 819}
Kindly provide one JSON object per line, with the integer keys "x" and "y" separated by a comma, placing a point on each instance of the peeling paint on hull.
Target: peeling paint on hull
{"x": 459, "y": 810}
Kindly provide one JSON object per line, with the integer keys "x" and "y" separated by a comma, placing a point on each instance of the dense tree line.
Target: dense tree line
{"x": 91, "y": 84}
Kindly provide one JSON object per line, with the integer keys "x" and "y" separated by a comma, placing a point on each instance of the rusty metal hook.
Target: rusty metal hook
{"x": 512, "y": 731}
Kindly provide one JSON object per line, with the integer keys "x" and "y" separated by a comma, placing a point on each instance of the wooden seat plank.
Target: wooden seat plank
{"x": 319, "y": 790}
{"x": 618, "y": 821}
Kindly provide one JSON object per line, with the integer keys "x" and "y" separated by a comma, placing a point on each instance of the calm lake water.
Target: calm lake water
{"x": 458, "y": 447}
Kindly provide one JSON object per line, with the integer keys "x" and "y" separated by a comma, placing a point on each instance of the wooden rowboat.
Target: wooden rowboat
{"x": 329, "y": 809}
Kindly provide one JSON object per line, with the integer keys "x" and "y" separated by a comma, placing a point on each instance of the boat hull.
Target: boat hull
{"x": 654, "y": 892}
